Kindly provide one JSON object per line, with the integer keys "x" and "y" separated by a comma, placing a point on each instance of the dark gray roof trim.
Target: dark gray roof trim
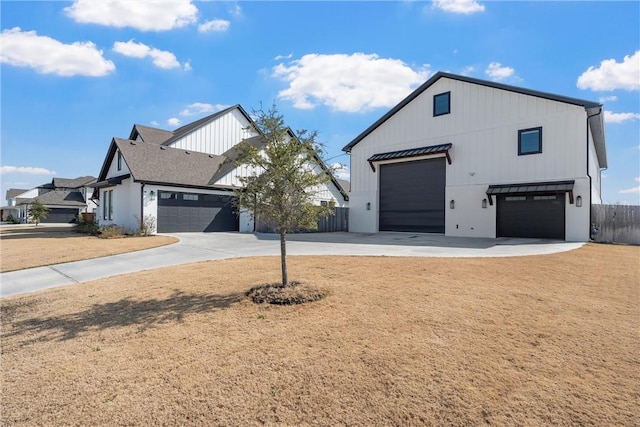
{"x": 438, "y": 75}
{"x": 532, "y": 188}
{"x": 111, "y": 181}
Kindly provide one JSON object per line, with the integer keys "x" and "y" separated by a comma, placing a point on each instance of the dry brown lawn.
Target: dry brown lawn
{"x": 27, "y": 247}
{"x": 527, "y": 341}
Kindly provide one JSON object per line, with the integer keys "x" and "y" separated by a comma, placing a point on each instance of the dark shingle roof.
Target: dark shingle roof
{"x": 150, "y": 135}
{"x": 13, "y": 192}
{"x": 439, "y": 75}
{"x": 154, "y": 163}
{"x": 73, "y": 182}
{"x": 60, "y": 197}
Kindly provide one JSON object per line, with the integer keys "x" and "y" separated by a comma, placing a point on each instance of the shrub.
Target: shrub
{"x": 85, "y": 227}
{"x": 13, "y": 220}
{"x": 112, "y": 231}
{"x": 147, "y": 225}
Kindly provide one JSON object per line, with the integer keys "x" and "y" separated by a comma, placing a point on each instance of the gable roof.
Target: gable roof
{"x": 515, "y": 89}
{"x": 149, "y": 134}
{"x": 73, "y": 182}
{"x": 152, "y": 163}
{"x": 13, "y": 192}
{"x": 190, "y": 127}
{"x": 59, "y": 197}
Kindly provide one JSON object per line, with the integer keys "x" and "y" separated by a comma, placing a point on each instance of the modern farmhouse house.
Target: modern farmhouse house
{"x": 184, "y": 179}
{"x": 468, "y": 157}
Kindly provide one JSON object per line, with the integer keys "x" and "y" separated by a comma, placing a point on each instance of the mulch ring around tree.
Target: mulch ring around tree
{"x": 293, "y": 293}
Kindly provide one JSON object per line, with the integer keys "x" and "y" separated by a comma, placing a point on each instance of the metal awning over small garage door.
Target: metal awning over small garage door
{"x": 533, "y": 210}
{"x": 190, "y": 212}
{"x": 61, "y": 215}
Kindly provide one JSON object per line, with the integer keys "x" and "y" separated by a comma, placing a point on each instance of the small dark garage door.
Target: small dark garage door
{"x": 536, "y": 216}
{"x": 61, "y": 215}
{"x": 185, "y": 212}
{"x": 412, "y": 196}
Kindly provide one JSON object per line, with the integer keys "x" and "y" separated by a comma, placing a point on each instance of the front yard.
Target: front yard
{"x": 29, "y": 246}
{"x": 545, "y": 340}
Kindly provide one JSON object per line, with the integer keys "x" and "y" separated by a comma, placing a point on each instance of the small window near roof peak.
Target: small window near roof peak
{"x": 441, "y": 104}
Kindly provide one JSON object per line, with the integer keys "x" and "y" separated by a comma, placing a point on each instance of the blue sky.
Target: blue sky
{"x": 75, "y": 74}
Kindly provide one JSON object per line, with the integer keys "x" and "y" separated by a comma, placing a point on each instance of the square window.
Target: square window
{"x": 529, "y": 141}
{"x": 188, "y": 196}
{"x": 442, "y": 104}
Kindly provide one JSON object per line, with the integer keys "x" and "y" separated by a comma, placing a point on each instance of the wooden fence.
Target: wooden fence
{"x": 615, "y": 224}
{"x": 337, "y": 222}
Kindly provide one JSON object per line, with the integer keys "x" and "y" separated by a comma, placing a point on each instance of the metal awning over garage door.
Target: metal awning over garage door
{"x": 534, "y": 210}
{"x": 190, "y": 212}
{"x": 412, "y": 196}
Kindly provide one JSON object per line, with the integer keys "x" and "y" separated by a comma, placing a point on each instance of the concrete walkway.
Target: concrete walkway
{"x": 195, "y": 247}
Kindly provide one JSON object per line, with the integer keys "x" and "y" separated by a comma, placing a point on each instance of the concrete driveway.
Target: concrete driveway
{"x": 195, "y": 247}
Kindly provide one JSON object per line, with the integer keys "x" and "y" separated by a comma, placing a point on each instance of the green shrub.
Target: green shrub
{"x": 85, "y": 227}
{"x": 13, "y": 220}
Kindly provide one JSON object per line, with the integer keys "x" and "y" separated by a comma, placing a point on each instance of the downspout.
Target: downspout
{"x": 588, "y": 174}
{"x": 141, "y": 205}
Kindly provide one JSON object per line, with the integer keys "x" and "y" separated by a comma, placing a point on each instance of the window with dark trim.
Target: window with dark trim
{"x": 167, "y": 195}
{"x": 119, "y": 160}
{"x": 441, "y": 104}
{"x": 529, "y": 141}
{"x": 188, "y": 196}
{"x": 107, "y": 207}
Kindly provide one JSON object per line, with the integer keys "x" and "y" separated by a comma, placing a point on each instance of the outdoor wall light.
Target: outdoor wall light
{"x": 579, "y": 201}
{"x": 368, "y": 206}
{"x": 452, "y": 204}
{"x": 484, "y": 203}
{"x": 152, "y": 195}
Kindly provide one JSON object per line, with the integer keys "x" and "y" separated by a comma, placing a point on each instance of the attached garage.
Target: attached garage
{"x": 61, "y": 215}
{"x": 190, "y": 212}
{"x": 412, "y": 196}
{"x": 534, "y": 210}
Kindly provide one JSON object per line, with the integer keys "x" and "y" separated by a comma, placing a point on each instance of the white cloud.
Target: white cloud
{"x": 632, "y": 190}
{"x": 50, "y": 56}
{"x": 281, "y": 57}
{"x": 349, "y": 83}
{"x": 497, "y": 72}
{"x": 612, "y": 75}
{"x": 142, "y": 15}
{"x": 465, "y": 7}
{"x": 215, "y": 25}
{"x": 341, "y": 171}
{"x": 468, "y": 70}
{"x": 608, "y": 98}
{"x": 202, "y": 108}
{"x": 174, "y": 121}
{"x": 235, "y": 10}
{"x": 155, "y": 123}
{"x": 25, "y": 170}
{"x": 187, "y": 66}
{"x": 616, "y": 118}
{"x": 161, "y": 58}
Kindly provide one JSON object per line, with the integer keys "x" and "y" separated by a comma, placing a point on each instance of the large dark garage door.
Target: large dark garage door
{"x": 61, "y": 215}
{"x": 412, "y": 196}
{"x": 183, "y": 212}
{"x": 537, "y": 216}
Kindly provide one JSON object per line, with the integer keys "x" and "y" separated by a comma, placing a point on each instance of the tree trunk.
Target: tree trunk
{"x": 283, "y": 257}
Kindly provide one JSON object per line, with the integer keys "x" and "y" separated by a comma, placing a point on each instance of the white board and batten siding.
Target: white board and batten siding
{"x": 217, "y": 136}
{"x": 483, "y": 129}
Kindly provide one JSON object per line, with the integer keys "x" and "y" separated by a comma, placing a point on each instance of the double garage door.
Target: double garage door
{"x": 61, "y": 215}
{"x": 189, "y": 212}
{"x": 412, "y": 196}
{"x": 532, "y": 215}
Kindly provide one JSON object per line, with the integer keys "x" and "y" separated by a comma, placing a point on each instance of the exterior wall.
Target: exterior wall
{"x": 113, "y": 168}
{"x": 594, "y": 171}
{"x": 217, "y": 136}
{"x": 126, "y": 205}
{"x": 483, "y": 129}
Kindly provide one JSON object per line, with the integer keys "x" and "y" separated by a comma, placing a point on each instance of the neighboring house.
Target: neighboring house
{"x": 183, "y": 180}
{"x": 66, "y": 199}
{"x": 11, "y": 209}
{"x": 468, "y": 157}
